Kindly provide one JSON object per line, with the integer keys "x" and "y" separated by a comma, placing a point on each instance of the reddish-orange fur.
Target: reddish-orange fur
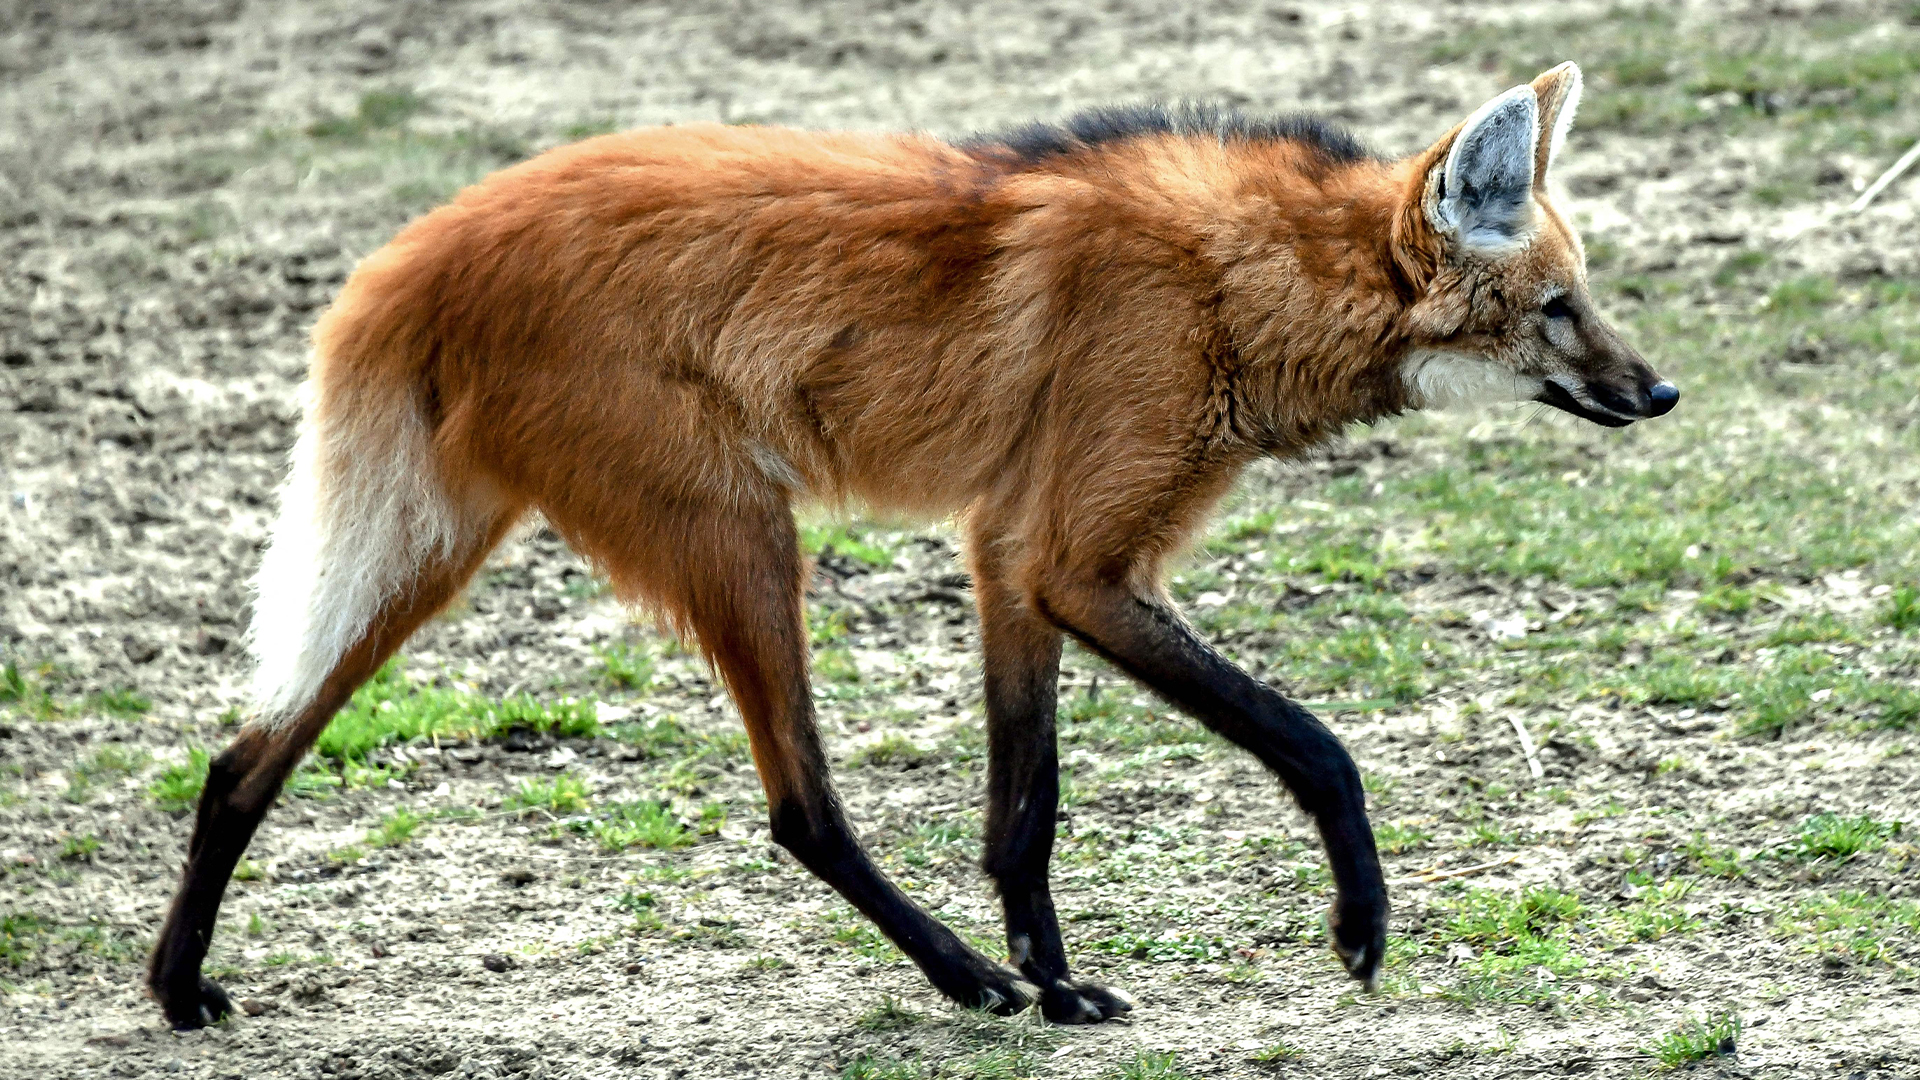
{"x": 664, "y": 340}
{"x": 648, "y": 335}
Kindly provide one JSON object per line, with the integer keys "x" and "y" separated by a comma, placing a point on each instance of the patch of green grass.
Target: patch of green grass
{"x": 1488, "y": 833}
{"x": 1243, "y": 974}
{"x": 178, "y": 786}
{"x": 1110, "y": 721}
{"x": 1657, "y": 912}
{"x": 1839, "y": 838}
{"x": 78, "y": 848}
{"x": 635, "y": 902}
{"x": 892, "y": 749}
{"x": 660, "y": 737}
{"x": 639, "y": 824}
{"x": 1696, "y": 1040}
{"x": 998, "y": 1063}
{"x": 1865, "y": 927}
{"x": 1651, "y": 70}
{"x": 944, "y": 839}
{"x": 1681, "y": 679}
{"x": 890, "y": 1015}
{"x": 1394, "y": 662}
{"x": 124, "y": 704}
{"x": 1151, "y": 1065}
{"x": 587, "y": 129}
{"x": 115, "y": 760}
{"x": 379, "y": 110}
{"x": 1739, "y": 265}
{"x": 868, "y": 1067}
{"x": 1517, "y": 937}
{"x": 1493, "y": 916}
{"x": 1501, "y": 507}
{"x": 835, "y": 665}
{"x": 625, "y": 666}
{"x": 1887, "y": 705}
{"x": 566, "y": 793}
{"x": 859, "y": 542}
{"x": 1726, "y": 600}
{"x": 1394, "y": 838}
{"x": 29, "y": 692}
{"x": 1903, "y": 608}
{"x": 1720, "y": 862}
{"x": 1276, "y": 1053}
{"x": 379, "y": 145}
{"x": 391, "y": 709}
{"x": 1823, "y": 628}
{"x": 1803, "y": 295}
{"x": 20, "y": 934}
{"x": 826, "y": 626}
{"x": 107, "y": 763}
{"x": 852, "y": 928}
{"x": 395, "y": 829}
{"x": 1161, "y": 949}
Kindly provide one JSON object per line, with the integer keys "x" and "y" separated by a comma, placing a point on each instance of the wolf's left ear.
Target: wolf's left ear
{"x": 1558, "y": 94}
{"x": 1481, "y": 193}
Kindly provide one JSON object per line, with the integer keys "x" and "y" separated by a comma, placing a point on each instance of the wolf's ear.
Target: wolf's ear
{"x": 1558, "y": 91}
{"x": 1482, "y": 194}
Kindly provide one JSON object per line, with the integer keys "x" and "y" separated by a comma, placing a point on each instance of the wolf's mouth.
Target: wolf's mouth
{"x": 1604, "y": 404}
{"x": 1554, "y": 394}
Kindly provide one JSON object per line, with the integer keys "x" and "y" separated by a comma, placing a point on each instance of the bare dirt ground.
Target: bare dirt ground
{"x": 1706, "y": 625}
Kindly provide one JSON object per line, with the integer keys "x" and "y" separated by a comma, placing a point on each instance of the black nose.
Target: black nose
{"x": 1662, "y": 398}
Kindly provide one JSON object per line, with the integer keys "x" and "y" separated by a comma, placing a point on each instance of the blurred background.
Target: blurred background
{"x": 1636, "y": 708}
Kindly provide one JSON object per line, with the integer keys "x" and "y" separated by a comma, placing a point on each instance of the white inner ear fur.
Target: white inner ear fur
{"x": 1563, "y": 121}
{"x": 1437, "y": 379}
{"x": 1486, "y": 187}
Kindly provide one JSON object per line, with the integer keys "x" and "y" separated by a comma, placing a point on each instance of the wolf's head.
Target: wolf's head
{"x": 1502, "y": 311}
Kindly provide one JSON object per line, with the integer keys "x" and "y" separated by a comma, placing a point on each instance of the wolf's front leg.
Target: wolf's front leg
{"x": 1150, "y": 641}
{"x": 1022, "y": 654}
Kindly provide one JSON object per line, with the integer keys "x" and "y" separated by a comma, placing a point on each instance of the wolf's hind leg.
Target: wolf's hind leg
{"x": 244, "y": 779}
{"x": 740, "y": 590}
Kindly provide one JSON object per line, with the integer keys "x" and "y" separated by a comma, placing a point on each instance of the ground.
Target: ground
{"x": 536, "y": 848}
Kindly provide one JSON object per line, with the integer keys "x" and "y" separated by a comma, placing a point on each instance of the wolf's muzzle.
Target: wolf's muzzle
{"x": 1605, "y": 404}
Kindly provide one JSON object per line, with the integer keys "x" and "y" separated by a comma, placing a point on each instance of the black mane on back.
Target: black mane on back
{"x": 1036, "y": 142}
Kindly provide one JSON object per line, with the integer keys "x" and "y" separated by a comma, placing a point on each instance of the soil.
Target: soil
{"x": 165, "y": 242}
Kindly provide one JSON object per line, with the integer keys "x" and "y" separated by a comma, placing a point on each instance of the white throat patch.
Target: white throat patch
{"x": 1436, "y": 379}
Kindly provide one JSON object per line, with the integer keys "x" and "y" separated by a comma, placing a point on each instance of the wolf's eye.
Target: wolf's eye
{"x": 1557, "y": 308}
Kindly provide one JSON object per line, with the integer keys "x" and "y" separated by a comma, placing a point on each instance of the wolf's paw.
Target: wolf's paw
{"x": 1067, "y": 1002}
{"x": 1359, "y": 934}
{"x": 187, "y": 1008}
{"x": 980, "y": 983}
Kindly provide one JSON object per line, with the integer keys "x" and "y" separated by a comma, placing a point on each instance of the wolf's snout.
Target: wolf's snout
{"x": 1662, "y": 397}
{"x": 1608, "y": 404}
{"x": 1635, "y": 402}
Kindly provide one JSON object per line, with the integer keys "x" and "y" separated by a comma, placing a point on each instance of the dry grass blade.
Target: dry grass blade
{"x": 1433, "y": 874}
{"x": 1893, "y": 173}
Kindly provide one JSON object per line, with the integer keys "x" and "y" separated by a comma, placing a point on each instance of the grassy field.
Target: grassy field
{"x": 1636, "y": 710}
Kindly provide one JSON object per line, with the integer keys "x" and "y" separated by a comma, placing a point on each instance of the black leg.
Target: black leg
{"x": 820, "y": 838}
{"x": 746, "y": 608}
{"x": 241, "y": 784}
{"x": 1022, "y": 654}
{"x": 1152, "y": 643}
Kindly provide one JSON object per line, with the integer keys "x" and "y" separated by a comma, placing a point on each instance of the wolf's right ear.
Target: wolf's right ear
{"x": 1481, "y": 193}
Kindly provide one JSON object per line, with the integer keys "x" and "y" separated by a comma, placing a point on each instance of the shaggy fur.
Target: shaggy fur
{"x": 1075, "y": 337}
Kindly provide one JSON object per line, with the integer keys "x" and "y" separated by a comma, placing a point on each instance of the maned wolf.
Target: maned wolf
{"x": 1074, "y": 337}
